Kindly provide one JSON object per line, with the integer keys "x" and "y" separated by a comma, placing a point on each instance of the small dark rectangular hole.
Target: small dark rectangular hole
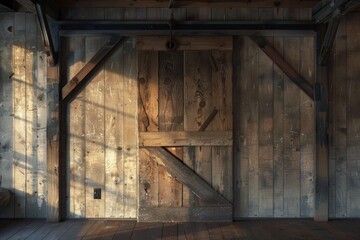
{"x": 97, "y": 193}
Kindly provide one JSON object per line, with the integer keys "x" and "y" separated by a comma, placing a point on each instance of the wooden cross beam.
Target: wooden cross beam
{"x": 83, "y": 77}
{"x": 293, "y": 75}
{"x": 328, "y": 41}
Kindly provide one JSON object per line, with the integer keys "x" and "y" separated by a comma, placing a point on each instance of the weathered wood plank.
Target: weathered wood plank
{"x": 158, "y": 43}
{"x": 353, "y": 116}
{"x": 307, "y": 129}
{"x": 130, "y": 130}
{"x": 171, "y": 115}
{"x": 94, "y": 135}
{"x": 77, "y": 142}
{"x": 222, "y": 174}
{"x": 340, "y": 119}
{"x": 186, "y": 176}
{"x": 6, "y": 110}
{"x": 198, "y": 106}
{"x": 185, "y": 214}
{"x": 148, "y": 121}
{"x": 265, "y": 75}
{"x": 114, "y": 135}
{"x": 188, "y": 138}
{"x": 53, "y": 204}
{"x": 19, "y": 55}
{"x": 278, "y": 128}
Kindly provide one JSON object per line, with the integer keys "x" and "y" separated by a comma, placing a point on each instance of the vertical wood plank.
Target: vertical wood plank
{"x": 130, "y": 130}
{"x": 278, "y": 89}
{"x": 340, "y": 119}
{"x": 30, "y": 119}
{"x": 114, "y": 132}
{"x": 94, "y": 133}
{"x": 291, "y": 128}
{"x": 307, "y": 129}
{"x": 171, "y": 115}
{"x": 19, "y": 93}
{"x": 353, "y": 116}
{"x": 77, "y": 151}
{"x": 6, "y": 110}
{"x": 41, "y": 138}
{"x": 148, "y": 121}
{"x": 265, "y": 77}
{"x": 198, "y": 106}
{"x": 52, "y": 207}
{"x": 221, "y": 76}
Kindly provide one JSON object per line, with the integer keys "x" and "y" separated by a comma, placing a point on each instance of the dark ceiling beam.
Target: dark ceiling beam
{"x": 190, "y": 3}
{"x": 48, "y": 37}
{"x": 137, "y": 28}
{"x": 327, "y": 9}
{"x": 293, "y": 75}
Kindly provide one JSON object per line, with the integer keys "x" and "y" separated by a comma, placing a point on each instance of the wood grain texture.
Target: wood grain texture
{"x": 187, "y": 138}
{"x": 148, "y": 121}
{"x": 171, "y": 112}
{"x": 353, "y": 117}
{"x": 6, "y": 110}
{"x": 130, "y": 130}
{"x": 52, "y": 207}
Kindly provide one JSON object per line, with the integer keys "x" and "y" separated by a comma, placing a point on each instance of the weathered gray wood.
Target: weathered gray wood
{"x": 321, "y": 208}
{"x": 184, "y": 214}
{"x": 186, "y": 176}
{"x": 187, "y": 138}
{"x": 353, "y": 115}
{"x": 6, "y": 110}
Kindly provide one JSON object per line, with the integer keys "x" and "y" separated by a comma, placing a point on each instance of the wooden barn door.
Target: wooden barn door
{"x": 185, "y": 129}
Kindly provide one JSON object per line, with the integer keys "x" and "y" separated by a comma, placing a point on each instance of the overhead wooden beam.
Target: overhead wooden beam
{"x": 185, "y": 214}
{"x": 180, "y": 139}
{"x": 189, "y": 3}
{"x": 80, "y": 80}
{"x": 293, "y": 75}
{"x": 188, "y": 28}
{"x": 321, "y": 211}
{"x": 46, "y": 34}
{"x": 327, "y": 9}
{"x": 328, "y": 41}
{"x": 185, "y": 175}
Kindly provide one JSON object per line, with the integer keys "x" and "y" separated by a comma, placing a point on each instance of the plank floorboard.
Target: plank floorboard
{"x": 275, "y": 229}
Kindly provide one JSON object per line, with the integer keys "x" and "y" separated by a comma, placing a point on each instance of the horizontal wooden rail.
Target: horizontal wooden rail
{"x": 178, "y": 139}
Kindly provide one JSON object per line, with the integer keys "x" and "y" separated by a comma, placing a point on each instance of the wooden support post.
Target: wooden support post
{"x": 80, "y": 80}
{"x": 293, "y": 75}
{"x": 321, "y": 211}
{"x": 46, "y": 33}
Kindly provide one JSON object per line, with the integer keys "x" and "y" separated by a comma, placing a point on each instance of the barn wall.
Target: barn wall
{"x": 23, "y": 116}
{"x": 102, "y": 128}
{"x": 345, "y": 120}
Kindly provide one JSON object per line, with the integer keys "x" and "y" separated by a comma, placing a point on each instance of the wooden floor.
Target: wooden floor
{"x": 115, "y": 229}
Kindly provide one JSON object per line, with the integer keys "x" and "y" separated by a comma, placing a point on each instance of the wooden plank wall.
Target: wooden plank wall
{"x": 345, "y": 121}
{"x": 23, "y": 116}
{"x": 274, "y": 136}
{"x": 103, "y": 127}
